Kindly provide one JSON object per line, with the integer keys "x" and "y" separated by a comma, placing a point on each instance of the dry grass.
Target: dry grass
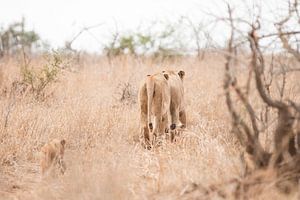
{"x": 104, "y": 160}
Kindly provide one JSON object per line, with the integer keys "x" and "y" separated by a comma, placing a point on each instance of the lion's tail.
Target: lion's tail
{"x": 150, "y": 94}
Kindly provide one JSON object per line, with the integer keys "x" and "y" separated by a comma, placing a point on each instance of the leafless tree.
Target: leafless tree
{"x": 284, "y": 159}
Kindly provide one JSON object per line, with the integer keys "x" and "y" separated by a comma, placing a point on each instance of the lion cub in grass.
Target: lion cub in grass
{"x": 52, "y": 155}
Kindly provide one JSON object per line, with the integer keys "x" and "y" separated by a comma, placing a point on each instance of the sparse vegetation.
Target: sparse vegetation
{"x": 168, "y": 42}
{"x": 35, "y": 80}
{"x": 15, "y": 37}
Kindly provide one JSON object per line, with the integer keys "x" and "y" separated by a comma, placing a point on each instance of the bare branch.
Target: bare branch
{"x": 249, "y": 108}
{"x": 87, "y": 29}
{"x": 284, "y": 37}
{"x": 276, "y": 34}
{"x": 240, "y": 128}
{"x": 258, "y": 69}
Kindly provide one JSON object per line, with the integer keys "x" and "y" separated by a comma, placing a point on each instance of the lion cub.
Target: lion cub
{"x": 52, "y": 156}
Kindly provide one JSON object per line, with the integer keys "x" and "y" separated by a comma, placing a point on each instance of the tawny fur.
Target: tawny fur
{"x": 177, "y": 107}
{"x": 52, "y": 155}
{"x": 154, "y": 101}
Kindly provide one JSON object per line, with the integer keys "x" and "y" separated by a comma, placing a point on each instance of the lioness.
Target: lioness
{"x": 154, "y": 100}
{"x": 52, "y": 156}
{"x": 177, "y": 108}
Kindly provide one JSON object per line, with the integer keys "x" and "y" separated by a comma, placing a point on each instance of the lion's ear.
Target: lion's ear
{"x": 181, "y": 74}
{"x": 166, "y": 76}
{"x": 63, "y": 142}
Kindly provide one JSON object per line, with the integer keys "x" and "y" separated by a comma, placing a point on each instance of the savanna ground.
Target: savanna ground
{"x": 104, "y": 158}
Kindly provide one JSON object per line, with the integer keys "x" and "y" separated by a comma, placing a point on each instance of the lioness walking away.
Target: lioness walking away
{"x": 154, "y": 101}
{"x": 177, "y": 107}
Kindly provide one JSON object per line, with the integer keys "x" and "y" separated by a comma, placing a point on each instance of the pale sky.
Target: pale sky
{"x": 59, "y": 20}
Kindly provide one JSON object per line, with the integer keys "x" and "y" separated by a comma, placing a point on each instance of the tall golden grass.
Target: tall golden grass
{"x": 103, "y": 156}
